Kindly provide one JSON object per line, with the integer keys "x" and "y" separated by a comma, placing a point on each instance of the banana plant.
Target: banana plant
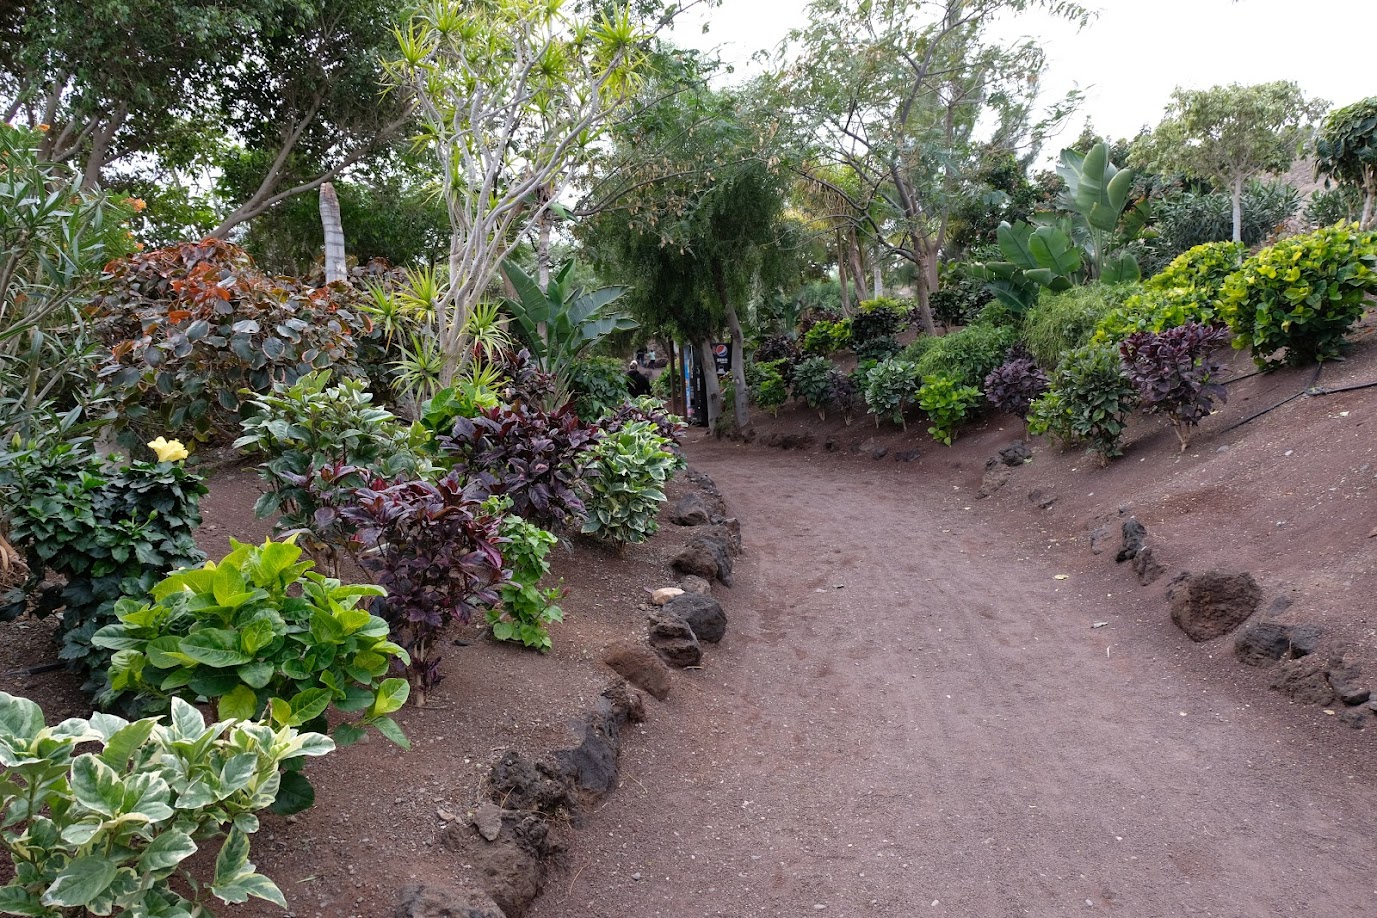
{"x": 563, "y": 321}
{"x": 1059, "y": 250}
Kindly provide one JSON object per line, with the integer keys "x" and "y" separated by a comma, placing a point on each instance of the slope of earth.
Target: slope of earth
{"x": 913, "y": 715}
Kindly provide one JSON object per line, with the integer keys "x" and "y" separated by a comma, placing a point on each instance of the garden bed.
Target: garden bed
{"x": 380, "y": 811}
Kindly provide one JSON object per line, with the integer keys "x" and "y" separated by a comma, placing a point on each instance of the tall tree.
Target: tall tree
{"x": 1228, "y": 134}
{"x": 893, "y": 90}
{"x": 512, "y": 94}
{"x": 1346, "y": 151}
{"x": 698, "y": 232}
{"x": 278, "y": 96}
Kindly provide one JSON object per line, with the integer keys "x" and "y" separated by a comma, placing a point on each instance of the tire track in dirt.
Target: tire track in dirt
{"x": 945, "y": 735}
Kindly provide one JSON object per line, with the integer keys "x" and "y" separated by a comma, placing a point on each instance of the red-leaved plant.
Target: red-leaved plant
{"x": 1174, "y": 372}
{"x": 436, "y": 550}
{"x": 1016, "y": 383}
{"x": 529, "y": 455}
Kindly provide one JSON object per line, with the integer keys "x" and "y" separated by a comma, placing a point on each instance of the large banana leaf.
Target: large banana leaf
{"x": 1121, "y": 268}
{"x": 562, "y": 321}
{"x": 1054, "y": 251}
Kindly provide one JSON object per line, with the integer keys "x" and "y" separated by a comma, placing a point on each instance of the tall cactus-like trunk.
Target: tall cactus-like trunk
{"x": 335, "y": 268}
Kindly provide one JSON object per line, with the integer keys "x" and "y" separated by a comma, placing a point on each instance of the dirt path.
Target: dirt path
{"x": 906, "y": 720}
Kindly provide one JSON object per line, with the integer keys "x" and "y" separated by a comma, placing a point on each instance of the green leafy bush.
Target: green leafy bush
{"x": 112, "y": 830}
{"x": 192, "y": 325}
{"x": 1096, "y": 396}
{"x": 464, "y": 399}
{"x": 321, "y": 443}
{"x": 264, "y": 637}
{"x": 1048, "y": 416}
{"x": 1302, "y": 294}
{"x": 874, "y": 326}
{"x": 813, "y": 382}
{"x": 527, "y": 610}
{"x": 767, "y": 385}
{"x": 1187, "y": 290}
{"x": 947, "y": 404}
{"x": 1340, "y": 204}
{"x": 597, "y": 384}
{"x": 890, "y": 387}
{"x": 968, "y": 355}
{"x": 106, "y": 527}
{"x": 959, "y": 299}
{"x": 826, "y": 337}
{"x": 1061, "y": 322}
{"x": 623, "y": 482}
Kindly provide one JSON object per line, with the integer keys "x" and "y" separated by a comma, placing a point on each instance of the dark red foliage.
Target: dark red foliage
{"x": 667, "y": 425}
{"x": 1016, "y": 383}
{"x": 437, "y": 552}
{"x": 526, "y": 381}
{"x": 1174, "y": 371}
{"x": 529, "y": 455}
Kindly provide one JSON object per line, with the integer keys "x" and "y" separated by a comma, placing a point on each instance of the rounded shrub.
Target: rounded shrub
{"x": 890, "y": 387}
{"x": 968, "y": 355}
{"x": 1301, "y": 295}
{"x": 1061, "y": 322}
{"x": 947, "y": 404}
{"x": 1093, "y": 399}
{"x": 1187, "y": 290}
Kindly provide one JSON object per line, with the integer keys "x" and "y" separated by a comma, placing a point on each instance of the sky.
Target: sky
{"x": 1128, "y": 60}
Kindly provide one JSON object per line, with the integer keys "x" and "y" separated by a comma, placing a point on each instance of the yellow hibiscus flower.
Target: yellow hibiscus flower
{"x": 168, "y": 450}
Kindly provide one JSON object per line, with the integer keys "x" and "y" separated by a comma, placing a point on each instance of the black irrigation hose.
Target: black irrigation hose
{"x": 1243, "y": 377}
{"x": 36, "y": 670}
{"x": 1252, "y": 417}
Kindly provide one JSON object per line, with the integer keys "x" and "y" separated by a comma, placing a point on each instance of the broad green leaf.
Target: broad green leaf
{"x": 19, "y": 717}
{"x": 388, "y": 728}
{"x": 233, "y": 857}
{"x": 325, "y": 628}
{"x": 237, "y": 773}
{"x": 170, "y": 848}
{"x": 15, "y": 900}
{"x": 294, "y": 794}
{"x": 392, "y": 694}
{"x": 309, "y": 705}
{"x": 125, "y": 741}
{"x": 347, "y": 734}
{"x": 256, "y": 675}
{"x": 215, "y": 647}
{"x": 239, "y": 704}
{"x": 81, "y": 881}
{"x": 96, "y": 785}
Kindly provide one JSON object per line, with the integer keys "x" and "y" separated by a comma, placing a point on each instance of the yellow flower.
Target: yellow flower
{"x": 168, "y": 450}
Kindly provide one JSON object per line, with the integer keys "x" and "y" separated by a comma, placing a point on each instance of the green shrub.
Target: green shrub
{"x": 890, "y": 387}
{"x": 464, "y": 399}
{"x": 767, "y": 385}
{"x": 623, "y": 483}
{"x": 996, "y": 314}
{"x": 1096, "y": 397}
{"x": 106, "y": 528}
{"x": 947, "y": 404}
{"x": 1302, "y": 294}
{"x": 263, "y": 637}
{"x": 527, "y": 610}
{"x": 826, "y": 336}
{"x": 111, "y": 831}
{"x": 874, "y": 326}
{"x": 1187, "y": 290}
{"x": 1061, "y": 322}
{"x": 968, "y": 355}
{"x": 1048, "y": 416}
{"x": 660, "y": 385}
{"x": 321, "y": 443}
{"x": 813, "y": 382}
{"x": 1191, "y": 218}
{"x": 191, "y": 326}
{"x": 1340, "y": 204}
{"x": 960, "y": 297}
{"x": 597, "y": 384}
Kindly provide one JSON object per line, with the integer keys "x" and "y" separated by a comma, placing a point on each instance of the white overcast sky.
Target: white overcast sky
{"x": 1128, "y": 60}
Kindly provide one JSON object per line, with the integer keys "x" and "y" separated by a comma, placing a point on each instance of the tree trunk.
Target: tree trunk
{"x": 335, "y": 267}
{"x": 674, "y": 405}
{"x": 544, "y": 229}
{"x": 713, "y": 408}
{"x": 877, "y": 274}
{"x": 1369, "y": 198}
{"x": 738, "y": 369}
{"x": 738, "y": 351}
{"x": 923, "y": 290}
{"x": 1238, "y": 209}
{"x": 857, "y": 269}
{"x": 841, "y": 276}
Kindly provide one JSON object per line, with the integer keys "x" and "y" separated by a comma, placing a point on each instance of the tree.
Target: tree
{"x": 1346, "y": 151}
{"x": 892, "y": 90}
{"x": 698, "y": 230}
{"x": 1228, "y": 134}
{"x": 512, "y": 95}
{"x": 276, "y": 95}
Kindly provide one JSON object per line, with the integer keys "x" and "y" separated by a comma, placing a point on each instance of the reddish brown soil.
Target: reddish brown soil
{"x": 910, "y": 714}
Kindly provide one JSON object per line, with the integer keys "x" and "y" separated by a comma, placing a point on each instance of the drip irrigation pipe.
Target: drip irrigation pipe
{"x": 1290, "y": 398}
